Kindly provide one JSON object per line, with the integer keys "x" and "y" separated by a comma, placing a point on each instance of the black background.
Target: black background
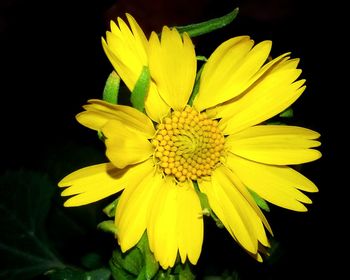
{"x": 52, "y": 62}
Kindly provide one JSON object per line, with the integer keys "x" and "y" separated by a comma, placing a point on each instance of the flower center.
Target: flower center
{"x": 188, "y": 145}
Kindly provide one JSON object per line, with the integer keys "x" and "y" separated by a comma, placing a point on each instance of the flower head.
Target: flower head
{"x": 219, "y": 145}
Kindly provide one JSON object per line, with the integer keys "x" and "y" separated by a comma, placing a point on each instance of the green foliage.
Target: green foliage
{"x": 126, "y": 265}
{"x": 205, "y": 27}
{"x": 137, "y": 263}
{"x": 151, "y": 265}
{"x": 26, "y": 198}
{"x": 74, "y": 274}
{"x": 37, "y": 232}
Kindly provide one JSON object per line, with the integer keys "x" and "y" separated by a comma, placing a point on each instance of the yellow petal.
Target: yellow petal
{"x": 99, "y": 112}
{"x": 237, "y": 46}
{"x": 126, "y": 50}
{"x": 254, "y": 213}
{"x": 129, "y": 72}
{"x": 162, "y": 225}
{"x": 236, "y": 69}
{"x": 137, "y": 32}
{"x": 96, "y": 182}
{"x": 190, "y": 223}
{"x": 229, "y": 108}
{"x": 276, "y": 184}
{"x": 156, "y": 108}
{"x": 270, "y": 95}
{"x": 275, "y": 144}
{"x": 237, "y": 183}
{"x": 133, "y": 209}
{"x": 172, "y": 63}
{"x": 207, "y": 188}
{"x": 124, "y": 146}
{"x": 236, "y": 210}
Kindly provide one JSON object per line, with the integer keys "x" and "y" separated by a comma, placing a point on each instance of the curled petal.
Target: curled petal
{"x": 93, "y": 183}
{"x": 99, "y": 112}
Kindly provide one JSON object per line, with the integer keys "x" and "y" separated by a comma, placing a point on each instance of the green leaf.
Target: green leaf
{"x": 165, "y": 276}
{"x": 111, "y": 89}
{"x": 201, "y": 28}
{"x": 151, "y": 266}
{"x": 92, "y": 261}
{"x": 25, "y": 202}
{"x": 131, "y": 262}
{"x": 184, "y": 271}
{"x": 74, "y": 274}
{"x": 65, "y": 273}
{"x": 260, "y": 201}
{"x": 119, "y": 273}
{"x": 140, "y": 90}
{"x": 137, "y": 263}
{"x": 98, "y": 274}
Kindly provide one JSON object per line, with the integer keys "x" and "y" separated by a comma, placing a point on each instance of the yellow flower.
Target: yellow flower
{"x": 220, "y": 142}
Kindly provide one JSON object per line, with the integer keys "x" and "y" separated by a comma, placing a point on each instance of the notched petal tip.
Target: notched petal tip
{"x": 63, "y": 183}
{"x": 69, "y": 204}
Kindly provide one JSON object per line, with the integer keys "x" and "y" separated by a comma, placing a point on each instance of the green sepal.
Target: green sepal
{"x": 101, "y": 136}
{"x": 288, "y": 113}
{"x": 196, "y": 86}
{"x": 109, "y": 210}
{"x": 111, "y": 89}
{"x": 260, "y": 201}
{"x": 108, "y": 226}
{"x": 201, "y": 58}
{"x": 140, "y": 90}
{"x": 206, "y": 210}
{"x": 205, "y": 27}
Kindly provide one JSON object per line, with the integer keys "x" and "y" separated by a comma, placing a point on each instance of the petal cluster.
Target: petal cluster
{"x": 239, "y": 89}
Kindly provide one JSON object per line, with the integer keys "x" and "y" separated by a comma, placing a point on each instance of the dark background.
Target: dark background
{"x": 52, "y": 62}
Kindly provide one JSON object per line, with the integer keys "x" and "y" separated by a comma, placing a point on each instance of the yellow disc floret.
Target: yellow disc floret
{"x": 188, "y": 145}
